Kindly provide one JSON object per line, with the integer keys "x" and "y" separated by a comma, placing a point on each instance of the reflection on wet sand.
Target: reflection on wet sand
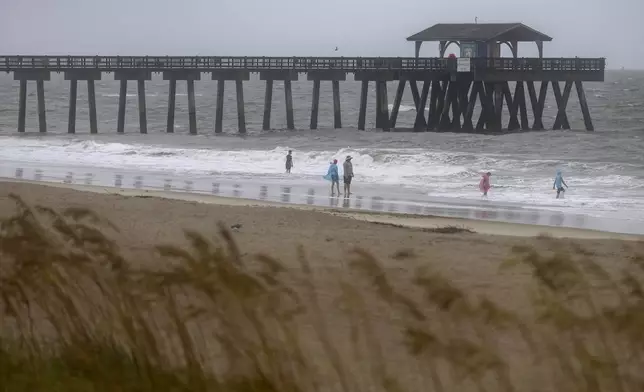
{"x": 310, "y": 196}
{"x": 291, "y": 194}
{"x": 286, "y": 194}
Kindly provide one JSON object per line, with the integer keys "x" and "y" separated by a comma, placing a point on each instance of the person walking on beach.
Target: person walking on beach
{"x": 289, "y": 161}
{"x": 333, "y": 176}
{"x": 348, "y": 175}
{"x": 484, "y": 185}
{"x": 559, "y": 184}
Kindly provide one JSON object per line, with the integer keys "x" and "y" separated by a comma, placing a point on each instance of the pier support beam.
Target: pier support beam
{"x": 268, "y": 105}
{"x": 172, "y": 97}
{"x": 89, "y": 76}
{"x": 140, "y": 76}
{"x": 327, "y": 75}
{"x": 337, "y": 113}
{"x": 382, "y": 100}
{"x": 315, "y": 105}
{"x": 73, "y": 93}
{"x": 288, "y": 98}
{"x": 537, "y": 103}
{"x": 40, "y": 76}
{"x": 143, "y": 119}
{"x": 241, "y": 115}
{"x": 91, "y": 99}
{"x": 287, "y": 76}
{"x": 584, "y": 106}
{"x": 420, "y": 123}
{"x": 561, "y": 120}
{"x": 120, "y": 127}
{"x": 192, "y": 107}
{"x": 189, "y": 76}
{"x": 239, "y": 76}
{"x": 22, "y": 108}
{"x": 42, "y": 119}
{"x": 219, "y": 115}
{"x": 362, "y": 115}
{"x": 400, "y": 90}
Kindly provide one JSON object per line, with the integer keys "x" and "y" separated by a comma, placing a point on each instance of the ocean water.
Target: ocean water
{"x": 605, "y": 168}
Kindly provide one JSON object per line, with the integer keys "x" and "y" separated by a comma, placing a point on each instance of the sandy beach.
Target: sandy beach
{"x": 149, "y": 218}
{"x": 402, "y": 243}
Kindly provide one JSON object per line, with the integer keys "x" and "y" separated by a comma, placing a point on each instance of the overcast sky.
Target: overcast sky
{"x": 586, "y": 28}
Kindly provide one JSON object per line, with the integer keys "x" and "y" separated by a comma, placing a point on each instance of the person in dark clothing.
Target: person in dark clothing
{"x": 348, "y": 175}
{"x": 289, "y": 161}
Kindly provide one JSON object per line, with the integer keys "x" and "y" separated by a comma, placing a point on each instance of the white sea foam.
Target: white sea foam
{"x": 403, "y": 108}
{"x": 437, "y": 173}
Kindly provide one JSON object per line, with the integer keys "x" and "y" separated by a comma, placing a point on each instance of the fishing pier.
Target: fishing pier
{"x": 448, "y": 93}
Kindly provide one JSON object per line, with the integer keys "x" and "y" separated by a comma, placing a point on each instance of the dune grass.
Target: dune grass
{"x": 78, "y": 315}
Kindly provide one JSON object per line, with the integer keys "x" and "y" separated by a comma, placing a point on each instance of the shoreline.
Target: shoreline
{"x": 377, "y": 217}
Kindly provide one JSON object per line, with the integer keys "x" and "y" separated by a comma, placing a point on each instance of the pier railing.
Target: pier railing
{"x": 299, "y": 64}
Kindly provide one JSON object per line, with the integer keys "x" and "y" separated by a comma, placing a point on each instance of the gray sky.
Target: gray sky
{"x": 584, "y": 28}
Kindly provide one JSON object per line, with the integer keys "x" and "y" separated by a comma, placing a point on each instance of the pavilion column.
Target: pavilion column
{"x": 540, "y": 47}
{"x": 418, "y": 45}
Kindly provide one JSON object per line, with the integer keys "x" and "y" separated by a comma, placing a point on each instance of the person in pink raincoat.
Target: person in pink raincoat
{"x": 484, "y": 185}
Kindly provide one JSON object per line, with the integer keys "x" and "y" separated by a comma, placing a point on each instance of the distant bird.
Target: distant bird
{"x": 236, "y": 226}
{"x": 336, "y": 48}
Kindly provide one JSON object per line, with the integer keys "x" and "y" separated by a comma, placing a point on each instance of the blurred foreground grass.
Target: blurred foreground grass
{"x": 76, "y": 315}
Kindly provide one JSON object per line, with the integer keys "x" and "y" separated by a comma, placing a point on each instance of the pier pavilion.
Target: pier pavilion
{"x": 451, "y": 88}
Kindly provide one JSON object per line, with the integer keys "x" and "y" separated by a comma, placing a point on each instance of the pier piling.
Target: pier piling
{"x": 42, "y": 119}
{"x": 219, "y": 115}
{"x": 288, "y": 97}
{"x": 241, "y": 116}
{"x": 91, "y": 98}
{"x": 143, "y": 119}
{"x": 400, "y": 90}
{"x": 192, "y": 109}
{"x": 268, "y": 105}
{"x": 315, "y": 104}
{"x": 584, "y": 106}
{"x": 420, "y": 123}
{"x": 362, "y": 114}
{"x": 73, "y": 93}
{"x": 120, "y": 128}
{"x": 337, "y": 114}
{"x": 22, "y": 109}
{"x": 172, "y": 96}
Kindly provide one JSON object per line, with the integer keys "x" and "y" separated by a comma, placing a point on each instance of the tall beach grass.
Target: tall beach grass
{"x": 76, "y": 314}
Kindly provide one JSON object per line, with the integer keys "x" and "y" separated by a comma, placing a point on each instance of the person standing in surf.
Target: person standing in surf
{"x": 289, "y": 161}
{"x": 559, "y": 184}
{"x": 484, "y": 184}
{"x": 348, "y": 175}
{"x": 333, "y": 176}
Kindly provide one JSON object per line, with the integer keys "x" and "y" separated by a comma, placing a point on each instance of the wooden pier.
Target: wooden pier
{"x": 452, "y": 89}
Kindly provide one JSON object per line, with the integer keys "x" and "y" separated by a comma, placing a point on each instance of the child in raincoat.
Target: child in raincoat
{"x": 484, "y": 184}
{"x": 559, "y": 184}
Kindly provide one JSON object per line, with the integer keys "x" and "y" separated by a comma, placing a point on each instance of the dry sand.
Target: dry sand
{"x": 470, "y": 260}
{"x": 151, "y": 218}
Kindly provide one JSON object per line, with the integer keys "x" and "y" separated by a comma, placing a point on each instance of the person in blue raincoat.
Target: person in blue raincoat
{"x": 559, "y": 184}
{"x": 333, "y": 176}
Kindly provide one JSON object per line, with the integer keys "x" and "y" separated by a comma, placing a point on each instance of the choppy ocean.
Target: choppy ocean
{"x": 605, "y": 168}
